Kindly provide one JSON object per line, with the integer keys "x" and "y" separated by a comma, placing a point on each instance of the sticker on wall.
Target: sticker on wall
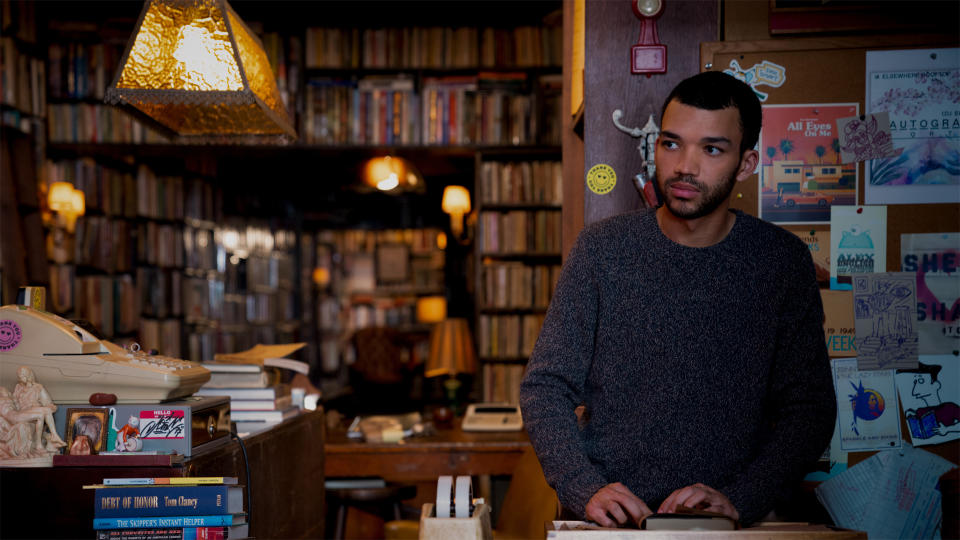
{"x": 866, "y": 137}
{"x": 765, "y": 73}
{"x": 601, "y": 179}
{"x": 10, "y": 335}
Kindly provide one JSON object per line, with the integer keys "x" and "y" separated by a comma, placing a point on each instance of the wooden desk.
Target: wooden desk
{"x": 422, "y": 459}
{"x": 286, "y": 471}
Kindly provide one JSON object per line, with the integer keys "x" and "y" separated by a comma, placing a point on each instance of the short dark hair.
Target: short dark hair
{"x": 715, "y": 90}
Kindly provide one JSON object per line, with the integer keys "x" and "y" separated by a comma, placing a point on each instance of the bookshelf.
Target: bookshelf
{"x": 160, "y": 256}
{"x": 519, "y": 197}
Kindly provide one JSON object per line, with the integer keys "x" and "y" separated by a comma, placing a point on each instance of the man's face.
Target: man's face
{"x": 924, "y": 389}
{"x": 698, "y": 159}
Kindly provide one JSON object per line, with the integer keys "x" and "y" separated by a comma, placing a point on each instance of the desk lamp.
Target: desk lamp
{"x": 451, "y": 353}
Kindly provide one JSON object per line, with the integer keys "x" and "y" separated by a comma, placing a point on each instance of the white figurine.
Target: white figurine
{"x": 29, "y": 395}
{"x": 24, "y": 414}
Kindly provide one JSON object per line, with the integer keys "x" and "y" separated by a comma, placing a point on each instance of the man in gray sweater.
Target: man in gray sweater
{"x": 691, "y": 334}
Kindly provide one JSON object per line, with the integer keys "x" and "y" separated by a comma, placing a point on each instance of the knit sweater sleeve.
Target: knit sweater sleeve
{"x": 801, "y": 401}
{"x": 553, "y": 384}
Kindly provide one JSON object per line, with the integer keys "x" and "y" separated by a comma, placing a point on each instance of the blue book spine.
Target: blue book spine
{"x": 100, "y": 523}
{"x": 136, "y": 501}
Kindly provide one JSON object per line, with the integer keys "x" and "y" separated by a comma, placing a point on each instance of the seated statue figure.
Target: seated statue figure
{"x": 29, "y": 395}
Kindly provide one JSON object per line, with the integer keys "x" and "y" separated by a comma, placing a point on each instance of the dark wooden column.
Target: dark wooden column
{"x": 611, "y": 29}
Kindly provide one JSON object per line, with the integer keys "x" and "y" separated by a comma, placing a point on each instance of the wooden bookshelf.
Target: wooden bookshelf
{"x": 519, "y": 196}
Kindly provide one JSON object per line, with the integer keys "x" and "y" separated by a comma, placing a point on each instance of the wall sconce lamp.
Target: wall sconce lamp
{"x": 392, "y": 174}
{"x": 456, "y": 202}
{"x": 68, "y": 202}
{"x": 194, "y": 67}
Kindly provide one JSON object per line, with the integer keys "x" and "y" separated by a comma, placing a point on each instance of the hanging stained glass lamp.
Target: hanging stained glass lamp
{"x": 196, "y": 68}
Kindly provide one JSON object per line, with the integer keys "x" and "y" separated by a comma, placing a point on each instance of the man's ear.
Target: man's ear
{"x": 748, "y": 163}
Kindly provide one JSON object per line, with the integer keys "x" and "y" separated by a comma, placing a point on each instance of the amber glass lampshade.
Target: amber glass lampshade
{"x": 195, "y": 67}
{"x": 456, "y": 202}
{"x": 392, "y": 174}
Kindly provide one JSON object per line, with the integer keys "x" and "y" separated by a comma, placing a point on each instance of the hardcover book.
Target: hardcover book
{"x": 167, "y": 500}
{"x": 219, "y": 532}
{"x": 101, "y": 523}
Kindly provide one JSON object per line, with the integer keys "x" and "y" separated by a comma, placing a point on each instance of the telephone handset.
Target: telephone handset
{"x": 72, "y": 363}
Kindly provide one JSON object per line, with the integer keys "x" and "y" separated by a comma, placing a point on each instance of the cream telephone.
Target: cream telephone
{"x": 72, "y": 364}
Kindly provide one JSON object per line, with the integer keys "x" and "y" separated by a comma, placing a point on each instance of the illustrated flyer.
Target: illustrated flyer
{"x": 920, "y": 89}
{"x": 801, "y": 174}
{"x": 930, "y": 395}
{"x": 885, "y": 307}
{"x": 858, "y": 242}
{"x": 867, "y": 410}
{"x": 935, "y": 259}
{"x": 817, "y": 240}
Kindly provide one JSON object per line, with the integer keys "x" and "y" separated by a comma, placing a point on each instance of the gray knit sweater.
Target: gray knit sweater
{"x": 695, "y": 365}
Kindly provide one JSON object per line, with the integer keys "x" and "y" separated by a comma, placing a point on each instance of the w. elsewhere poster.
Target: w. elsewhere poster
{"x": 920, "y": 88}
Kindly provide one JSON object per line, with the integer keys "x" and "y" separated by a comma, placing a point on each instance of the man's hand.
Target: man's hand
{"x": 702, "y": 497}
{"x": 617, "y": 502}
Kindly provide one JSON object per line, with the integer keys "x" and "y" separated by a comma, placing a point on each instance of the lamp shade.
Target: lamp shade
{"x": 61, "y": 197}
{"x": 456, "y": 200}
{"x": 196, "y": 68}
{"x": 451, "y": 349}
{"x": 431, "y": 309}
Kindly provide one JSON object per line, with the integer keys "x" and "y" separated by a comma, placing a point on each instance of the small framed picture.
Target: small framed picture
{"x": 90, "y": 423}
{"x": 393, "y": 263}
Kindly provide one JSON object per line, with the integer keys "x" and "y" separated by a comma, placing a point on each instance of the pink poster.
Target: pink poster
{"x": 801, "y": 174}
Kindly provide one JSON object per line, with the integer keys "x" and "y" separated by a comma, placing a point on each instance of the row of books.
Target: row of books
{"x": 169, "y": 508}
{"x": 501, "y": 383}
{"x": 433, "y": 47}
{"x": 121, "y": 193}
{"x": 285, "y": 55}
{"x": 420, "y": 241}
{"x": 103, "y": 243}
{"x": 82, "y": 70}
{"x": 90, "y": 123}
{"x": 22, "y": 79}
{"x": 162, "y": 335}
{"x": 508, "y": 336}
{"x": 521, "y": 182}
{"x": 109, "y": 303}
{"x": 517, "y": 285}
{"x": 520, "y": 232}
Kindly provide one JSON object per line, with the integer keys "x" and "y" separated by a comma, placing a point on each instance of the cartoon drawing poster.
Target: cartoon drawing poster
{"x": 801, "y": 175}
{"x": 935, "y": 259}
{"x": 920, "y": 88}
{"x": 884, "y": 310}
{"x": 867, "y": 411}
{"x": 930, "y": 394}
{"x": 858, "y": 242}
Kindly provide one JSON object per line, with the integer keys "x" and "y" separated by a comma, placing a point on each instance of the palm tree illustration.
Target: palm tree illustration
{"x": 771, "y": 152}
{"x": 820, "y": 151}
{"x": 786, "y": 146}
{"x": 835, "y": 146}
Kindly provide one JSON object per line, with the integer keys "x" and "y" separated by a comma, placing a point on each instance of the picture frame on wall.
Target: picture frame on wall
{"x": 92, "y": 423}
{"x": 393, "y": 263}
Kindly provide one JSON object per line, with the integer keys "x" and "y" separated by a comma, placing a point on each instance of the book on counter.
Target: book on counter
{"x": 102, "y": 523}
{"x": 270, "y": 392}
{"x": 278, "y": 404}
{"x": 237, "y": 376}
{"x": 264, "y": 416}
{"x": 220, "y": 532}
{"x": 175, "y": 480}
{"x": 158, "y": 500}
{"x": 267, "y": 355}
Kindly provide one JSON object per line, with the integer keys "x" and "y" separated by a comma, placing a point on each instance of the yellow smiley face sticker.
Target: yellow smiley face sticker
{"x": 601, "y": 179}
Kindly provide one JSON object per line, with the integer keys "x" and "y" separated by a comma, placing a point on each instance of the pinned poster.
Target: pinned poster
{"x": 935, "y": 259}
{"x": 866, "y": 137}
{"x": 839, "y": 328}
{"x": 818, "y": 242}
{"x": 930, "y": 395}
{"x": 858, "y": 242}
{"x": 867, "y": 410}
{"x": 885, "y": 307}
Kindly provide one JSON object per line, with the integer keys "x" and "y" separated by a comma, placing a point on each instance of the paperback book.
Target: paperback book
{"x": 101, "y": 523}
{"x": 220, "y": 532}
{"x": 167, "y": 500}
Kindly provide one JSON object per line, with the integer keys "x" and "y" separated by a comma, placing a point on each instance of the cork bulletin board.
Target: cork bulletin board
{"x": 831, "y": 70}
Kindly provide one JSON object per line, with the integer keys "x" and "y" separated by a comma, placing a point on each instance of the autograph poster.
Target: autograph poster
{"x": 801, "y": 174}
{"x": 920, "y": 89}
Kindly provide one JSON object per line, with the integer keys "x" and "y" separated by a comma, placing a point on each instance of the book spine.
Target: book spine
{"x": 186, "y": 500}
{"x": 100, "y": 523}
{"x": 188, "y": 480}
{"x": 165, "y": 533}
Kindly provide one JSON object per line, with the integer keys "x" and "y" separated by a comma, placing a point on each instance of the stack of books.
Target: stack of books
{"x": 169, "y": 508}
{"x": 258, "y": 398}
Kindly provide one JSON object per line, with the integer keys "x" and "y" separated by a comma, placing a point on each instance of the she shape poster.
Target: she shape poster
{"x": 920, "y": 88}
{"x": 867, "y": 410}
{"x": 801, "y": 176}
